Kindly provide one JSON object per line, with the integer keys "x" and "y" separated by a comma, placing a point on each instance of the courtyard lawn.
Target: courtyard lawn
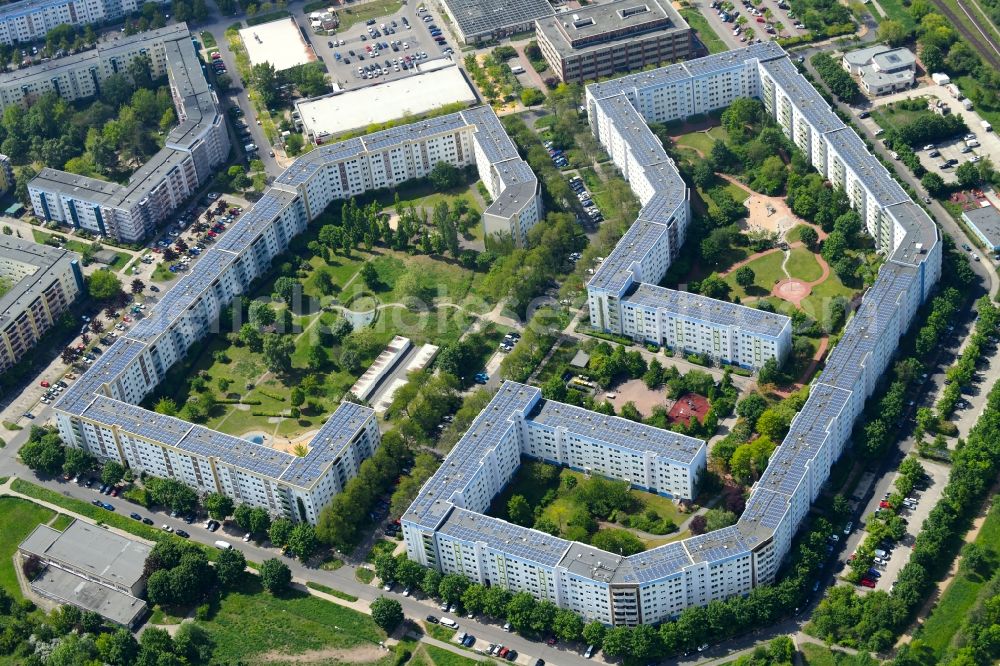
{"x": 80, "y": 247}
{"x": 702, "y": 141}
{"x": 816, "y": 303}
{"x": 18, "y": 518}
{"x": 794, "y": 234}
{"x": 252, "y": 626}
{"x": 735, "y": 191}
{"x": 441, "y": 281}
{"x": 768, "y": 270}
{"x": 802, "y": 264}
{"x": 942, "y": 626}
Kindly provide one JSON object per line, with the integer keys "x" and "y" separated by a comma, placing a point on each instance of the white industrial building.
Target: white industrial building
{"x": 881, "y": 69}
{"x": 193, "y": 149}
{"x": 444, "y": 527}
{"x": 99, "y": 411}
{"x": 30, "y": 20}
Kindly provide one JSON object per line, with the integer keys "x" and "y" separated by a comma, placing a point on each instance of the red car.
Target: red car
{"x": 760, "y": 19}
{"x": 868, "y": 582}
{"x": 503, "y": 652}
{"x": 212, "y": 234}
{"x": 114, "y": 493}
{"x": 45, "y": 384}
{"x": 884, "y": 505}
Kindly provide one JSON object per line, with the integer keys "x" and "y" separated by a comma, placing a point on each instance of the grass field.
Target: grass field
{"x": 80, "y": 247}
{"x": 61, "y": 522}
{"x": 252, "y": 626}
{"x": 794, "y": 234}
{"x": 208, "y": 40}
{"x": 944, "y": 622}
{"x": 705, "y": 33}
{"x": 820, "y": 655}
{"x": 374, "y": 9}
{"x": 18, "y": 518}
{"x": 430, "y": 655}
{"x": 701, "y": 141}
{"x": 891, "y": 116}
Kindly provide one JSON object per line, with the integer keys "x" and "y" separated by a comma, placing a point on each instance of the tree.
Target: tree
{"x": 46, "y": 455}
{"x": 617, "y": 642}
{"x": 261, "y": 314}
{"x": 893, "y": 31}
{"x": 532, "y": 96}
{"x": 229, "y": 566}
{"x": 431, "y": 582}
{"x": 519, "y": 610}
{"x": 968, "y": 175}
{"x": 286, "y": 287}
{"x": 745, "y": 276}
{"x": 137, "y": 286}
{"x": 275, "y": 576}
{"x": 409, "y": 573}
{"x": 77, "y": 461}
{"x": 567, "y": 625}
{"x": 112, "y": 472}
{"x": 519, "y": 511}
{"x": 594, "y": 632}
{"x": 278, "y": 351}
{"x": 266, "y": 81}
{"x": 768, "y": 373}
{"x": 621, "y": 542}
{"x": 219, "y": 506}
{"x": 280, "y": 531}
{"x": 370, "y": 276}
{"x": 103, "y": 285}
{"x": 119, "y": 648}
{"x": 934, "y": 184}
{"x": 809, "y": 237}
{"x": 976, "y": 558}
{"x": 452, "y": 587}
{"x": 444, "y": 176}
{"x": 387, "y": 613}
{"x": 698, "y": 524}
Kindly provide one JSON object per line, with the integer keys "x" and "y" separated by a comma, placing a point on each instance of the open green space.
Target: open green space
{"x": 18, "y": 518}
{"x": 208, "y": 39}
{"x": 368, "y": 10}
{"x": 821, "y": 655}
{"x": 702, "y": 141}
{"x": 61, "y": 522}
{"x": 794, "y": 234}
{"x": 441, "y": 633}
{"x": 571, "y": 504}
{"x": 944, "y": 622}
{"x": 251, "y": 626}
{"x": 700, "y": 25}
{"x": 431, "y": 655}
{"x": 896, "y": 10}
{"x": 81, "y": 247}
{"x": 894, "y": 116}
{"x": 802, "y": 264}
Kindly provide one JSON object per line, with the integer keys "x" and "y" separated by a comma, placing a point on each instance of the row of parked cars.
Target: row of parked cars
{"x": 578, "y": 186}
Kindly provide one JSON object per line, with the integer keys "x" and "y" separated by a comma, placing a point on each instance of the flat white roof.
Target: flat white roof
{"x": 356, "y": 109}
{"x": 278, "y": 42}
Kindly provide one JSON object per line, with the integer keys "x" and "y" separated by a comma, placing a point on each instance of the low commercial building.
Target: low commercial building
{"x": 882, "y": 70}
{"x": 482, "y": 20}
{"x": 192, "y": 151}
{"x": 985, "y": 223}
{"x": 44, "y": 282}
{"x": 323, "y": 118}
{"x": 597, "y": 41}
{"x": 91, "y": 568}
{"x": 279, "y": 43}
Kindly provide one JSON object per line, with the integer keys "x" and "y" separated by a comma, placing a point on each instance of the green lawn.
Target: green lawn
{"x": 735, "y": 191}
{"x": 891, "y": 116}
{"x": 794, "y": 234}
{"x": 815, "y": 303}
{"x": 702, "y": 141}
{"x": 374, "y": 9}
{"x": 441, "y": 633}
{"x": 208, "y": 40}
{"x": 80, "y": 247}
{"x": 820, "y": 655}
{"x": 61, "y": 522}
{"x": 767, "y": 270}
{"x": 18, "y": 518}
{"x": 896, "y": 10}
{"x": 945, "y": 621}
{"x": 430, "y": 655}
{"x": 802, "y": 264}
{"x": 705, "y": 33}
{"x": 252, "y": 626}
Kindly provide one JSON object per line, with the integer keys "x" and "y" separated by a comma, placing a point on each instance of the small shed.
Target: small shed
{"x": 580, "y": 359}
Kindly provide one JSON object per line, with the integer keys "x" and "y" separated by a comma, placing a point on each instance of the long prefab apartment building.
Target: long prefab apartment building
{"x": 100, "y": 411}
{"x": 193, "y": 149}
{"x": 445, "y": 528}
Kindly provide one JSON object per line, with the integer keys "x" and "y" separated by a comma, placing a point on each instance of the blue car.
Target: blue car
{"x": 108, "y": 507}
{"x": 874, "y": 573}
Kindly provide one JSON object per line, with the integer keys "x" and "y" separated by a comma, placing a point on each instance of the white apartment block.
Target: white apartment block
{"x": 193, "y": 149}
{"x": 386, "y": 159}
{"x": 30, "y": 20}
{"x": 44, "y": 283}
{"x": 444, "y": 527}
{"x": 99, "y": 411}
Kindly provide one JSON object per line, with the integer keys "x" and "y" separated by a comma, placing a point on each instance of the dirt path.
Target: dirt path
{"x": 363, "y": 654}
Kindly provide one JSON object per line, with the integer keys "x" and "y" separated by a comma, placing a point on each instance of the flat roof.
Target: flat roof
{"x": 352, "y": 110}
{"x": 986, "y": 221}
{"x": 278, "y": 42}
{"x": 48, "y": 261}
{"x": 102, "y": 554}
{"x": 484, "y": 17}
{"x": 595, "y": 26}
{"x": 109, "y": 603}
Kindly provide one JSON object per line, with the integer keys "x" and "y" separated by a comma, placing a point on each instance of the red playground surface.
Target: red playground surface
{"x": 687, "y": 406}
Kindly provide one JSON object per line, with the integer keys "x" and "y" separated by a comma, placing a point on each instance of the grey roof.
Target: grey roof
{"x": 90, "y": 58}
{"x": 986, "y": 220}
{"x": 490, "y": 134}
{"x": 48, "y": 262}
{"x": 642, "y": 144}
{"x": 894, "y": 59}
{"x": 617, "y": 432}
{"x": 92, "y": 549}
{"x": 513, "y": 540}
{"x": 920, "y": 234}
{"x": 105, "y": 369}
{"x": 805, "y": 98}
{"x": 615, "y": 274}
{"x": 698, "y": 308}
{"x": 477, "y": 18}
{"x": 864, "y": 56}
{"x": 596, "y": 27}
{"x": 118, "y": 607}
{"x": 520, "y": 187}
{"x": 872, "y": 174}
{"x": 874, "y": 78}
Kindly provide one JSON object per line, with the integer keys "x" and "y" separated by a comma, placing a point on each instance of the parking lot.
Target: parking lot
{"x": 944, "y": 157}
{"x": 765, "y": 19}
{"x": 384, "y": 48}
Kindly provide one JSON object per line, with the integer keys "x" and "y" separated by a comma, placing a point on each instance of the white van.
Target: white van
{"x": 224, "y": 545}
{"x": 448, "y": 622}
